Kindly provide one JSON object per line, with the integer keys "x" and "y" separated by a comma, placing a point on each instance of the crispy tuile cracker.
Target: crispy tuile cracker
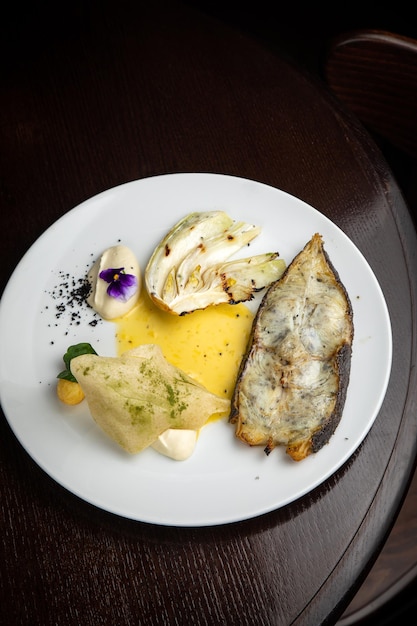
{"x": 134, "y": 398}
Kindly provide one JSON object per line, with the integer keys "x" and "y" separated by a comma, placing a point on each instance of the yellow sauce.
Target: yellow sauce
{"x": 208, "y": 345}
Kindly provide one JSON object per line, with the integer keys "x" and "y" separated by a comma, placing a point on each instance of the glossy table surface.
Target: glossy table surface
{"x": 129, "y": 92}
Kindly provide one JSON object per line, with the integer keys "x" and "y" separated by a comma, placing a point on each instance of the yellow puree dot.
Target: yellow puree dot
{"x": 208, "y": 345}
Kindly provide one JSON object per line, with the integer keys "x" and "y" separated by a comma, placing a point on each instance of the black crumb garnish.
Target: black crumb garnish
{"x": 70, "y": 294}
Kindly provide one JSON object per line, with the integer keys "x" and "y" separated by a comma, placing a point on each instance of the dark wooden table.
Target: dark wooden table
{"x": 117, "y": 93}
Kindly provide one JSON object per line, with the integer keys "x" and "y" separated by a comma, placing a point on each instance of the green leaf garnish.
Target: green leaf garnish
{"x": 71, "y": 353}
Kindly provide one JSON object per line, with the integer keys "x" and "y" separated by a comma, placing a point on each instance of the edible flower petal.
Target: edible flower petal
{"x": 122, "y": 286}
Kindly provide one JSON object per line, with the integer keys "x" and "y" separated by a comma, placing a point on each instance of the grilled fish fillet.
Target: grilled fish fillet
{"x": 292, "y": 383}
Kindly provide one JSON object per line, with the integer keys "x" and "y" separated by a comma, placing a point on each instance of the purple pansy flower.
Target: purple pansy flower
{"x": 122, "y": 286}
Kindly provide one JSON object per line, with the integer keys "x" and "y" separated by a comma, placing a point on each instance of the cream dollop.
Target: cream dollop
{"x": 178, "y": 444}
{"x": 109, "y": 307}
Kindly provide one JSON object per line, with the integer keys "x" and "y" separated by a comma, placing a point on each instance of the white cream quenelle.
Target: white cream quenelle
{"x": 178, "y": 444}
{"x": 116, "y": 282}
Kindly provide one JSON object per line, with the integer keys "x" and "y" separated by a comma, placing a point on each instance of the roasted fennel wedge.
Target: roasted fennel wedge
{"x": 190, "y": 270}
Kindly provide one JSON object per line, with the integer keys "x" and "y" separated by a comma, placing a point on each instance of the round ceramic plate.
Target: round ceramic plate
{"x": 224, "y": 481}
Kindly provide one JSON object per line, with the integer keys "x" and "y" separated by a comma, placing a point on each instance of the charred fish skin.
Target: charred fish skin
{"x": 292, "y": 383}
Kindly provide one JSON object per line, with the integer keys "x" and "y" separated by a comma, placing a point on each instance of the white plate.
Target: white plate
{"x": 225, "y": 480}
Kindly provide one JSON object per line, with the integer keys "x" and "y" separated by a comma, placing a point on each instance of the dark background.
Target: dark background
{"x": 300, "y": 30}
{"x": 303, "y": 30}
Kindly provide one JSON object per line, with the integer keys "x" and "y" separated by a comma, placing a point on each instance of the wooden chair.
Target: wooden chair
{"x": 375, "y": 74}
